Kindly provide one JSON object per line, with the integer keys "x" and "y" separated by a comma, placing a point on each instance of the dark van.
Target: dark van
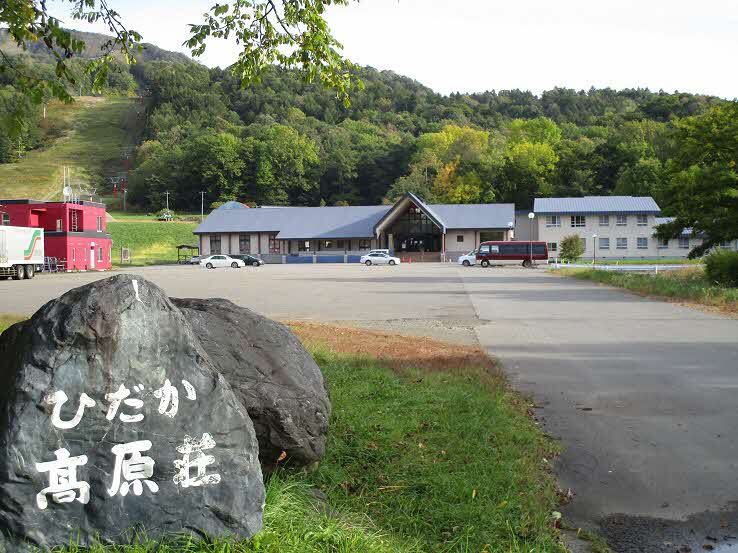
{"x": 505, "y": 253}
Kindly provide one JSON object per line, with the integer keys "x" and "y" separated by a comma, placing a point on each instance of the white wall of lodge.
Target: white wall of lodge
{"x": 613, "y": 236}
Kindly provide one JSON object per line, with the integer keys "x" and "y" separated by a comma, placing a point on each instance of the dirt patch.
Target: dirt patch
{"x": 399, "y": 351}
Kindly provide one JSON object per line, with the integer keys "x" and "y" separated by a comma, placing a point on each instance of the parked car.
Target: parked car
{"x": 378, "y": 251}
{"x": 249, "y": 259}
{"x": 195, "y": 259}
{"x": 215, "y": 261}
{"x": 469, "y": 259}
{"x": 379, "y": 259}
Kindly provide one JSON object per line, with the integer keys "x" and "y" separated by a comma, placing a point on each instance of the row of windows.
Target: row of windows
{"x": 244, "y": 244}
{"x": 622, "y": 243}
{"x": 578, "y": 221}
{"x": 99, "y": 254}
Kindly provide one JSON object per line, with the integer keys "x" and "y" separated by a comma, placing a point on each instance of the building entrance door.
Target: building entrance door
{"x": 92, "y": 257}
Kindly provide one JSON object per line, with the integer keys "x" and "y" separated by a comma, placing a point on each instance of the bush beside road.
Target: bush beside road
{"x": 690, "y": 284}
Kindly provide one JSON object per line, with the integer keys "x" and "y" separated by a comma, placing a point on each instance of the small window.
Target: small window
{"x": 214, "y": 244}
{"x": 327, "y": 244}
{"x": 483, "y": 249}
{"x": 244, "y": 243}
{"x": 642, "y": 243}
{"x": 604, "y": 243}
{"x": 553, "y": 221}
{"x": 99, "y": 254}
{"x": 604, "y": 220}
{"x": 553, "y": 247}
{"x": 460, "y": 238}
{"x": 273, "y": 244}
{"x": 684, "y": 242}
{"x": 59, "y": 223}
{"x": 578, "y": 221}
{"x": 725, "y": 244}
{"x": 99, "y": 224}
{"x": 341, "y": 244}
{"x": 5, "y": 218}
{"x": 663, "y": 243}
{"x": 364, "y": 244}
{"x": 621, "y": 220}
{"x": 621, "y": 243}
{"x": 303, "y": 245}
{"x": 642, "y": 220}
{"x": 74, "y": 254}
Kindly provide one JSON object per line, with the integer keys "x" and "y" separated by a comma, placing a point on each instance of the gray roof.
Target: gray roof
{"x": 298, "y": 222}
{"x": 596, "y": 204}
{"x": 347, "y": 222}
{"x": 475, "y": 216}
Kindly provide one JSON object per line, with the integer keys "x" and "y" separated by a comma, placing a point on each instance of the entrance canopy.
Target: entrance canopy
{"x": 409, "y": 202}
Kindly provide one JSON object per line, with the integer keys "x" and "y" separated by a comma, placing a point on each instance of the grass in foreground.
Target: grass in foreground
{"x": 418, "y": 460}
{"x": 686, "y": 284}
{"x": 152, "y": 242}
{"x": 7, "y": 320}
{"x": 94, "y": 132}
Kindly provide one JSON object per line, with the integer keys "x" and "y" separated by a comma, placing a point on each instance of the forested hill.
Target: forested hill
{"x": 283, "y": 141}
{"x": 93, "y": 47}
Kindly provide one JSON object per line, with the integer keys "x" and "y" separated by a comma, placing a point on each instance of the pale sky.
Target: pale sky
{"x": 477, "y": 45}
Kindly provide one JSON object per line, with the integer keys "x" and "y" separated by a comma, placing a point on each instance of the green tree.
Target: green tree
{"x": 703, "y": 193}
{"x": 571, "y": 248}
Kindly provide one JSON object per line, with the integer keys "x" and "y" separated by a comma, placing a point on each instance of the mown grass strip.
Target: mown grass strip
{"x": 686, "y": 284}
{"x": 152, "y": 242}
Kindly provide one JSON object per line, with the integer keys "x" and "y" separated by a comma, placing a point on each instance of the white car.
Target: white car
{"x": 379, "y": 259}
{"x": 469, "y": 259}
{"x": 215, "y": 261}
{"x": 378, "y": 251}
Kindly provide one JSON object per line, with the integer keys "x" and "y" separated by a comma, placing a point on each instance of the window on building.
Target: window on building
{"x": 273, "y": 244}
{"x": 604, "y": 220}
{"x": 460, "y": 238}
{"x": 642, "y": 243}
{"x": 621, "y": 243}
{"x": 74, "y": 254}
{"x": 621, "y": 220}
{"x": 327, "y": 244}
{"x": 553, "y": 221}
{"x": 364, "y": 244}
{"x": 553, "y": 247}
{"x": 244, "y": 243}
{"x": 642, "y": 220}
{"x": 684, "y": 242}
{"x": 578, "y": 221}
{"x": 725, "y": 244}
{"x": 99, "y": 254}
{"x": 214, "y": 244}
{"x": 59, "y": 225}
{"x": 99, "y": 224}
{"x": 5, "y": 219}
{"x": 341, "y": 244}
{"x": 663, "y": 243}
{"x": 303, "y": 245}
{"x": 604, "y": 243}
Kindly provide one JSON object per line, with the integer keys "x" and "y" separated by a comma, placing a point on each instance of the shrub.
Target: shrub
{"x": 571, "y": 248}
{"x": 721, "y": 267}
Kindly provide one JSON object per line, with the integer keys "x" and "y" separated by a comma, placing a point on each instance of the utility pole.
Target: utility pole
{"x": 167, "y": 195}
{"x": 202, "y": 206}
{"x": 125, "y": 191}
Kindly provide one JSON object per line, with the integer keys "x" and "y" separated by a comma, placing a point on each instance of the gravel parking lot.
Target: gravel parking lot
{"x": 642, "y": 392}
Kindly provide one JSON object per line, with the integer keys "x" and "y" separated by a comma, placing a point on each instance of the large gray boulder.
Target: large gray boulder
{"x": 272, "y": 374}
{"x": 113, "y": 420}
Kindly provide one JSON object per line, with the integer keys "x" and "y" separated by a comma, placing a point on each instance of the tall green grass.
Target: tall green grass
{"x": 687, "y": 284}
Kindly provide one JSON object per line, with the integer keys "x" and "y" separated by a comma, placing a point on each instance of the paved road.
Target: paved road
{"x": 644, "y": 394}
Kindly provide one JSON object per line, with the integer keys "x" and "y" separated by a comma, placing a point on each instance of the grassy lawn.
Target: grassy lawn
{"x": 686, "y": 284}
{"x": 94, "y": 132}
{"x": 7, "y": 319}
{"x": 662, "y": 261}
{"x": 419, "y": 459}
{"x": 151, "y": 241}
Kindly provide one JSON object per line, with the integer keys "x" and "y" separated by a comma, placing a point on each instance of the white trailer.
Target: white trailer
{"x": 21, "y": 251}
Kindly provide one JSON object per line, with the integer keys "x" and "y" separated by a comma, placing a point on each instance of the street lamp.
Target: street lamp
{"x": 531, "y": 216}
{"x": 594, "y": 249}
